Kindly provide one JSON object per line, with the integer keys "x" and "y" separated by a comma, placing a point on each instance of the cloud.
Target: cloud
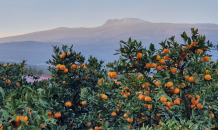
{"x": 6, "y": 35}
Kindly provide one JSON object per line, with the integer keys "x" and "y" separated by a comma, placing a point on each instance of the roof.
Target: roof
{"x": 30, "y": 79}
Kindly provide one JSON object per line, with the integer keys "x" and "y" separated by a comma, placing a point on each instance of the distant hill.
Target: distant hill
{"x": 99, "y": 42}
{"x": 113, "y": 31}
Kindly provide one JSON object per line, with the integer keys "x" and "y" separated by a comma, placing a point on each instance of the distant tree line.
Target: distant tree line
{"x": 34, "y": 71}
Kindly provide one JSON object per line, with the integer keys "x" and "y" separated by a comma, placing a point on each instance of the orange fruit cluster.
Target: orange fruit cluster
{"x": 112, "y": 75}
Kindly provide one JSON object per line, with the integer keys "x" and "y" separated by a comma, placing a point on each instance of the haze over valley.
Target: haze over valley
{"x": 100, "y": 41}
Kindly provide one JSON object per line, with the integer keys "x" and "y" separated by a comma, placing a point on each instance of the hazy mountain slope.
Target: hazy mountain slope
{"x": 99, "y": 42}
{"x": 113, "y": 31}
{"x": 34, "y": 52}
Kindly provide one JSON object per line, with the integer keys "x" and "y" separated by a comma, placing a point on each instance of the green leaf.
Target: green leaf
{"x": 140, "y": 43}
{"x": 37, "y": 118}
{"x": 5, "y": 114}
{"x": 11, "y": 95}
{"x": 2, "y": 92}
{"x": 189, "y": 41}
{"x": 129, "y": 41}
{"x": 116, "y": 53}
{"x": 122, "y": 41}
{"x": 168, "y": 98}
{"x": 151, "y": 47}
{"x": 193, "y": 113}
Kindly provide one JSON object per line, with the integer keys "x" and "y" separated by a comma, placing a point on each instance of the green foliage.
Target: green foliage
{"x": 19, "y": 98}
{"x": 93, "y": 95}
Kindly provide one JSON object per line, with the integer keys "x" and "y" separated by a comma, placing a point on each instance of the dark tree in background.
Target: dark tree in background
{"x": 34, "y": 71}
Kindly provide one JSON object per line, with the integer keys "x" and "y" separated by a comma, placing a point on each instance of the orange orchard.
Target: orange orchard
{"x": 178, "y": 80}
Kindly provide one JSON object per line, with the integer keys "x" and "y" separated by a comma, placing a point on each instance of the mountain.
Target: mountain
{"x": 114, "y": 31}
{"x": 99, "y": 42}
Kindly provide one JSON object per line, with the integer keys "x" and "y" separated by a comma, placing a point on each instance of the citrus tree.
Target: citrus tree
{"x": 182, "y": 88}
{"x": 69, "y": 76}
{"x": 22, "y": 106}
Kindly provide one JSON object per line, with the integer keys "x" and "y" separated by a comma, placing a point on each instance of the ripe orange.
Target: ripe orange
{"x": 23, "y": 118}
{"x": 125, "y": 115}
{"x": 99, "y": 81}
{"x": 207, "y": 77}
{"x": 149, "y": 106}
{"x": 130, "y": 120}
{"x": 187, "y": 77}
{"x": 165, "y": 51}
{"x": 177, "y": 101}
{"x": 62, "y": 67}
{"x": 57, "y": 115}
{"x": 63, "y": 55}
{"x": 162, "y": 61}
{"x": 114, "y": 75}
{"x": 199, "y": 50}
{"x": 8, "y": 81}
{"x": 169, "y": 84}
{"x": 166, "y": 57}
{"x": 206, "y": 58}
{"x": 66, "y": 70}
{"x": 146, "y": 85}
{"x": 148, "y": 65}
{"x": 182, "y": 86}
{"x": 17, "y": 119}
{"x": 176, "y": 91}
{"x": 113, "y": 114}
{"x": 73, "y": 66}
{"x": 199, "y": 106}
{"x": 89, "y": 124}
{"x": 163, "y": 99}
{"x": 158, "y": 115}
{"x": 157, "y": 83}
{"x": 49, "y": 112}
{"x": 97, "y": 128}
{"x": 139, "y": 55}
{"x": 109, "y": 74}
{"x": 141, "y": 97}
{"x": 168, "y": 104}
{"x": 191, "y": 79}
{"x": 201, "y": 59}
{"x": 58, "y": 66}
{"x": 147, "y": 98}
{"x": 153, "y": 65}
{"x": 83, "y": 103}
{"x": 173, "y": 70}
{"x": 211, "y": 115}
{"x": 158, "y": 57}
{"x": 139, "y": 77}
{"x": 64, "y": 82}
{"x": 68, "y": 104}
{"x": 159, "y": 68}
{"x": 104, "y": 96}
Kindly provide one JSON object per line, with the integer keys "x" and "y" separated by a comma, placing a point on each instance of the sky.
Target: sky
{"x": 26, "y": 16}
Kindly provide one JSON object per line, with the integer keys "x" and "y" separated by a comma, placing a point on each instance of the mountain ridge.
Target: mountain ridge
{"x": 111, "y": 29}
{"x": 100, "y": 42}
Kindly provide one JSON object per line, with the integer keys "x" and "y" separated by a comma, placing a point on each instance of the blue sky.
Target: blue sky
{"x": 25, "y": 16}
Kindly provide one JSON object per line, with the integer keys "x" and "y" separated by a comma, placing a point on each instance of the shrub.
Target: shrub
{"x": 22, "y": 106}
